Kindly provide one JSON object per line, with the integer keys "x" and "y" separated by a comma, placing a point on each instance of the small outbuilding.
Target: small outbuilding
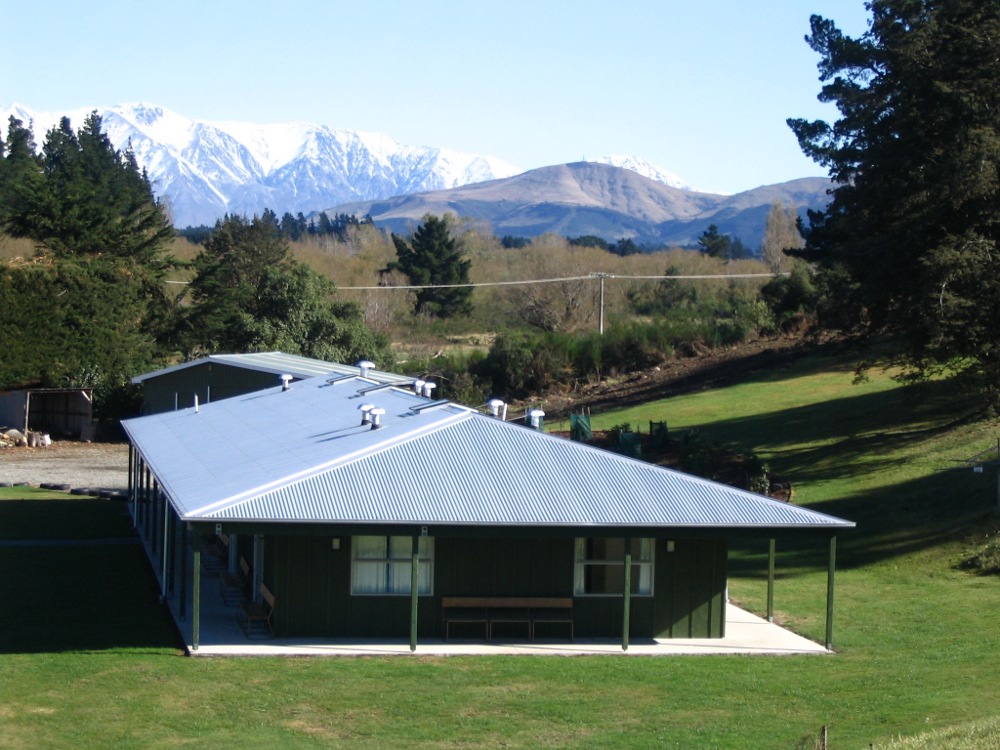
{"x": 60, "y": 412}
{"x": 350, "y": 508}
{"x": 220, "y": 376}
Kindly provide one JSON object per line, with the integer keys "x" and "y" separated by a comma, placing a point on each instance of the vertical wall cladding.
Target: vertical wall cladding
{"x": 311, "y": 583}
{"x": 209, "y": 381}
{"x": 503, "y": 567}
{"x": 690, "y": 589}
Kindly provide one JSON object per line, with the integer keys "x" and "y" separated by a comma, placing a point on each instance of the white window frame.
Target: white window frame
{"x": 644, "y": 561}
{"x": 382, "y": 565}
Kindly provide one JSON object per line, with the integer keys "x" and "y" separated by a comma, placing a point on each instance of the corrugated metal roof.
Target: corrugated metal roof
{"x": 302, "y": 456}
{"x": 279, "y": 363}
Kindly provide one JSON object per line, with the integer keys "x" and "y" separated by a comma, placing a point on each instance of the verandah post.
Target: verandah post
{"x": 414, "y": 590}
{"x": 196, "y": 596}
{"x": 627, "y": 595}
{"x": 829, "y": 593}
{"x": 770, "y": 582}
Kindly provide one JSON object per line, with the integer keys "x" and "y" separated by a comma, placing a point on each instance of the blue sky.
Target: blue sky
{"x": 701, "y": 89}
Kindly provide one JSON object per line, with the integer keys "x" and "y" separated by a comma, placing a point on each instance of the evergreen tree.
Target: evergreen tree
{"x": 432, "y": 258}
{"x": 909, "y": 243}
{"x": 88, "y": 198}
{"x": 248, "y": 295}
{"x": 98, "y": 304}
{"x": 721, "y": 245}
{"x": 21, "y": 179}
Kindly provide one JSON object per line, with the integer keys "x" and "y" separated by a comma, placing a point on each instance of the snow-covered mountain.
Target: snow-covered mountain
{"x": 206, "y": 169}
{"x": 646, "y": 169}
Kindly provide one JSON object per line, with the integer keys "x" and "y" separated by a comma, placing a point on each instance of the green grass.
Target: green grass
{"x": 917, "y": 637}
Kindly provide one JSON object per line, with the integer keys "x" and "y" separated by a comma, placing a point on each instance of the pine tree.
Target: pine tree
{"x": 909, "y": 243}
{"x": 433, "y": 258}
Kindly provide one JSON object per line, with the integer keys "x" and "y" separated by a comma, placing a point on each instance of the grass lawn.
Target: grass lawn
{"x": 87, "y": 658}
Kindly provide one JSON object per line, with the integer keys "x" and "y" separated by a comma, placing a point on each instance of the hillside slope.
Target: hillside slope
{"x": 584, "y": 198}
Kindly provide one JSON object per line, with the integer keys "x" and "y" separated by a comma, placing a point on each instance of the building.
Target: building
{"x": 60, "y": 412}
{"x": 364, "y": 509}
{"x": 220, "y": 376}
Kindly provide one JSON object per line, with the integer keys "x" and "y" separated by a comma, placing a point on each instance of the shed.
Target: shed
{"x": 220, "y": 376}
{"x": 61, "y": 412}
{"x": 368, "y": 510}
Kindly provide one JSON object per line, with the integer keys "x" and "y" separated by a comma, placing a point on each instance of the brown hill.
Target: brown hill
{"x": 585, "y": 198}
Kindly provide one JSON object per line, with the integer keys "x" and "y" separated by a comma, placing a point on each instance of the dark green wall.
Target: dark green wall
{"x": 211, "y": 381}
{"x": 312, "y": 581}
{"x": 690, "y": 589}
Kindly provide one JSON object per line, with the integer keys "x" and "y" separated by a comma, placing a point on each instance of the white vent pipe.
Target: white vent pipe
{"x": 366, "y": 413}
{"x": 285, "y": 382}
{"x": 536, "y": 417}
{"x": 418, "y": 386}
{"x": 428, "y": 388}
{"x": 365, "y": 366}
{"x": 376, "y": 417}
{"x": 498, "y": 408}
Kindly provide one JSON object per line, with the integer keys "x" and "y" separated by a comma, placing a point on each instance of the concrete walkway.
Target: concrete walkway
{"x": 221, "y": 635}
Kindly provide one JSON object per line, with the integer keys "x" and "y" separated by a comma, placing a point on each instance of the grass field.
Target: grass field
{"x": 88, "y": 659}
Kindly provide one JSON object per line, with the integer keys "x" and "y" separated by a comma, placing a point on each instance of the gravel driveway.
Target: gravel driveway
{"x": 80, "y": 465}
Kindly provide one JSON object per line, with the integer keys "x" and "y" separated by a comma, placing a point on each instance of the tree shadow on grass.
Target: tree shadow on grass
{"x": 893, "y": 521}
{"x": 831, "y": 439}
{"x": 79, "y": 594}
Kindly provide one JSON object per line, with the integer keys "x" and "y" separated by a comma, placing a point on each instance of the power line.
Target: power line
{"x": 688, "y": 277}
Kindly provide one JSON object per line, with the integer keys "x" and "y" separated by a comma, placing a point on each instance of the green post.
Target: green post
{"x": 185, "y": 533}
{"x": 414, "y": 590}
{"x": 829, "y": 593}
{"x": 770, "y": 582}
{"x": 627, "y": 596}
{"x": 196, "y": 596}
{"x": 164, "y": 586}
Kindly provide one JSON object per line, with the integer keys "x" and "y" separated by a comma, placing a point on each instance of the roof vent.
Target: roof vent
{"x": 418, "y": 386}
{"x": 376, "y": 415}
{"x": 366, "y": 413}
{"x": 428, "y": 388}
{"x": 286, "y": 379}
{"x": 196, "y": 403}
{"x": 498, "y": 408}
{"x": 365, "y": 366}
{"x": 536, "y": 418}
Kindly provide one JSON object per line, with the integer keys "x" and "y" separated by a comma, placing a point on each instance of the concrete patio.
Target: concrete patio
{"x": 220, "y": 634}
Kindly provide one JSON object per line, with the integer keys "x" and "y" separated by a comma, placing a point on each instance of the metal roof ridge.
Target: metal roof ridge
{"x": 314, "y": 471}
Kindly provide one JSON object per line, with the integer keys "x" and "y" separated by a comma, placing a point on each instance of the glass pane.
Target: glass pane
{"x": 642, "y": 549}
{"x": 426, "y": 575}
{"x": 400, "y": 547}
{"x": 604, "y": 579}
{"x": 399, "y": 581}
{"x": 368, "y": 547}
{"x": 605, "y": 549}
{"x": 368, "y": 577}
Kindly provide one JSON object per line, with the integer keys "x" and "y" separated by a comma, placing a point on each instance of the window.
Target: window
{"x": 600, "y": 567}
{"x": 381, "y": 564}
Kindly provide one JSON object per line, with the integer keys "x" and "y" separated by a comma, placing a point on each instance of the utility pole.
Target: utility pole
{"x": 602, "y": 277}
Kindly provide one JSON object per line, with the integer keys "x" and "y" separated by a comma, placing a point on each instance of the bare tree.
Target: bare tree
{"x": 780, "y": 233}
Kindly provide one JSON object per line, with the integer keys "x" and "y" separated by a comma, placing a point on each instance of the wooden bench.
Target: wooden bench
{"x": 518, "y": 610}
{"x": 253, "y": 614}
